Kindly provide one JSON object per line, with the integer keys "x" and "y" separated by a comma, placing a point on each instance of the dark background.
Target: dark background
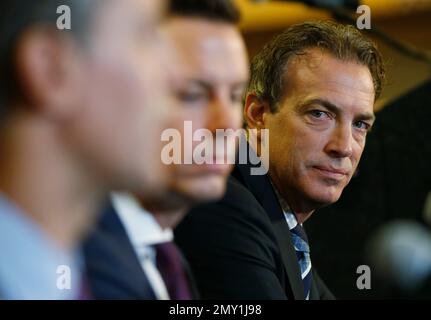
{"x": 393, "y": 181}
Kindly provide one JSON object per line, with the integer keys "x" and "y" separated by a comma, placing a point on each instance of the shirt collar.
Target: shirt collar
{"x": 288, "y": 213}
{"x": 141, "y": 226}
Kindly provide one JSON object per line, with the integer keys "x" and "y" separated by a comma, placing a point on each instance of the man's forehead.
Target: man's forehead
{"x": 214, "y": 56}
{"x": 203, "y": 35}
{"x": 318, "y": 70}
{"x": 120, "y": 10}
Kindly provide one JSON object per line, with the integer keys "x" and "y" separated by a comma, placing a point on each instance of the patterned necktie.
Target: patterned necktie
{"x": 300, "y": 242}
{"x": 169, "y": 264}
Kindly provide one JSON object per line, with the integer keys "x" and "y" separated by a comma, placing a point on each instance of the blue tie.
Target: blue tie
{"x": 300, "y": 242}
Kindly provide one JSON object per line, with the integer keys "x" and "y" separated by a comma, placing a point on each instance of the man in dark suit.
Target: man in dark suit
{"x": 117, "y": 271}
{"x": 131, "y": 255}
{"x": 308, "y": 108}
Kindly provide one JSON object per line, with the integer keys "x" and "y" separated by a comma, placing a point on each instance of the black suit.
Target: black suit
{"x": 241, "y": 247}
{"x": 113, "y": 268}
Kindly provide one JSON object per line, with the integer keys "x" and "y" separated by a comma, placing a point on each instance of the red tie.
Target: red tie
{"x": 168, "y": 261}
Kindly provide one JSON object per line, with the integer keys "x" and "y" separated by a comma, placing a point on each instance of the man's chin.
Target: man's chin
{"x": 201, "y": 189}
{"x": 325, "y": 199}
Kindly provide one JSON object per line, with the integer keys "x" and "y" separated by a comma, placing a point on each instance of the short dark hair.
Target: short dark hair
{"x": 215, "y": 10}
{"x": 16, "y": 17}
{"x": 345, "y": 42}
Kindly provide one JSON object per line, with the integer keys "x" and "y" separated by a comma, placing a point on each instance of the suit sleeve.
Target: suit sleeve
{"x": 231, "y": 249}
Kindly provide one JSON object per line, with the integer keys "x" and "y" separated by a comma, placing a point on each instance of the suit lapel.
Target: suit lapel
{"x": 314, "y": 292}
{"x": 127, "y": 269}
{"x": 262, "y": 189}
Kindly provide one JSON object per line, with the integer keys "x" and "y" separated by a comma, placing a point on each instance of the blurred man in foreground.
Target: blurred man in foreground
{"x": 81, "y": 113}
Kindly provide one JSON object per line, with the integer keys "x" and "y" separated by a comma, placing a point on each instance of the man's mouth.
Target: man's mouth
{"x": 331, "y": 172}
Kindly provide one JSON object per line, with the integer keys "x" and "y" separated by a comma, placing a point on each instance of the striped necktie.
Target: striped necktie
{"x": 300, "y": 242}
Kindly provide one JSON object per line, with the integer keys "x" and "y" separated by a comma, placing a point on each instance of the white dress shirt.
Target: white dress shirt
{"x": 143, "y": 232}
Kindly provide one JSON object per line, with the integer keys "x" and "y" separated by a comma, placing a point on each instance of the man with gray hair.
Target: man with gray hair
{"x": 312, "y": 88}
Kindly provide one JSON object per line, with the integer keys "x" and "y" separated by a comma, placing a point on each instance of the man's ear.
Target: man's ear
{"x": 46, "y": 71}
{"x": 254, "y": 111}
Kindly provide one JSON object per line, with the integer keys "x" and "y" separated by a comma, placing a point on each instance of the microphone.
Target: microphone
{"x": 400, "y": 253}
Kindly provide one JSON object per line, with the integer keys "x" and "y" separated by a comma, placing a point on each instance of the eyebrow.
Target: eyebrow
{"x": 208, "y": 85}
{"x": 337, "y": 110}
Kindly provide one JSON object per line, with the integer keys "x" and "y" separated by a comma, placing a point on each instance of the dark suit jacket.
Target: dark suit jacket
{"x": 113, "y": 269}
{"x": 241, "y": 247}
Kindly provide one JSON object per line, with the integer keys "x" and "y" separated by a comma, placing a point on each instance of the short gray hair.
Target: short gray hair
{"x": 344, "y": 42}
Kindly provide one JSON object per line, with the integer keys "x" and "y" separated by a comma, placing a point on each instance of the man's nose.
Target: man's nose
{"x": 223, "y": 114}
{"x": 340, "y": 142}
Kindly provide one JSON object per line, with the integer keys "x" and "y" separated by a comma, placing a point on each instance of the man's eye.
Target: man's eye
{"x": 190, "y": 97}
{"x": 236, "y": 97}
{"x": 362, "y": 125}
{"x": 318, "y": 114}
